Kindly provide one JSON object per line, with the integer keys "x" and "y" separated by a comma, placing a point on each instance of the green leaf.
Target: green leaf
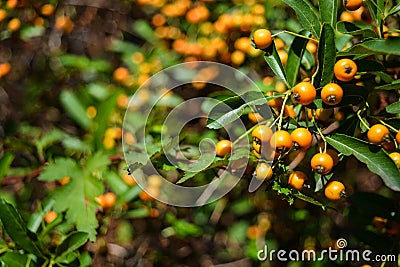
{"x": 115, "y": 182}
{"x": 395, "y": 85}
{"x": 97, "y": 162}
{"x": 354, "y": 30}
{"x": 16, "y": 228}
{"x": 15, "y": 259}
{"x": 366, "y": 65}
{"x": 329, "y": 11}
{"x": 308, "y": 15}
{"x": 31, "y": 32}
{"x": 75, "y": 108}
{"x": 62, "y": 167}
{"x": 377, "y": 162}
{"x": 393, "y": 108}
{"x": 144, "y": 30}
{"x": 308, "y": 199}
{"x": 326, "y": 57}
{"x": 5, "y": 163}
{"x": 232, "y": 108}
{"x": 393, "y": 10}
{"x": 77, "y": 199}
{"x": 389, "y": 46}
{"x": 37, "y": 218}
{"x": 104, "y": 111}
{"x": 72, "y": 242}
{"x": 48, "y": 139}
{"x": 274, "y": 62}
{"x": 295, "y": 55}
{"x": 375, "y": 8}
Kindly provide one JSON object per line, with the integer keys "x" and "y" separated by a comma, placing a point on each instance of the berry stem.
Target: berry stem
{"x": 294, "y": 34}
{"x": 319, "y": 132}
{"x": 387, "y": 125}
{"x": 287, "y": 94}
{"x": 361, "y": 120}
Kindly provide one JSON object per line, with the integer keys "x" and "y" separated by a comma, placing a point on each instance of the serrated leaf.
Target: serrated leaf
{"x": 16, "y": 228}
{"x": 308, "y": 15}
{"x": 274, "y": 62}
{"x": 62, "y": 167}
{"x": 295, "y": 55}
{"x": 72, "y": 242}
{"x": 77, "y": 200}
{"x": 377, "y": 162}
{"x": 96, "y": 162}
{"x": 329, "y": 11}
{"x": 326, "y": 57}
{"x": 389, "y": 46}
{"x": 75, "y": 108}
{"x": 232, "y": 108}
{"x": 5, "y": 163}
{"x": 393, "y": 108}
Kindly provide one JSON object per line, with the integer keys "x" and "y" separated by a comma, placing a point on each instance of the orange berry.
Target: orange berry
{"x": 378, "y": 133}
{"x": 304, "y": 93}
{"x": 11, "y": 4}
{"x": 296, "y": 179}
{"x": 50, "y": 216}
{"x": 64, "y": 24}
{"x": 262, "y": 38}
{"x": 322, "y": 163}
{"x": 332, "y": 94}
{"x": 47, "y": 10}
{"x": 3, "y": 15}
{"x": 301, "y": 138}
{"x": 264, "y": 171}
{"x": 345, "y": 69}
{"x": 334, "y": 190}
{"x": 281, "y": 141}
{"x": 128, "y": 179}
{"x": 4, "y": 68}
{"x": 109, "y": 200}
{"x": 120, "y": 74}
{"x": 223, "y": 147}
{"x": 14, "y": 25}
{"x": 352, "y": 4}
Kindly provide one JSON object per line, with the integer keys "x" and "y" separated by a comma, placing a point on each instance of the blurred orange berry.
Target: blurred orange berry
{"x": 64, "y": 24}
{"x": 128, "y": 179}
{"x": 65, "y": 180}
{"x": 91, "y": 112}
{"x": 3, "y": 15}
{"x": 50, "y": 216}
{"x": 4, "y": 68}
{"x": 11, "y": 4}
{"x": 47, "y": 10}
{"x": 121, "y": 74}
{"x": 14, "y": 25}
